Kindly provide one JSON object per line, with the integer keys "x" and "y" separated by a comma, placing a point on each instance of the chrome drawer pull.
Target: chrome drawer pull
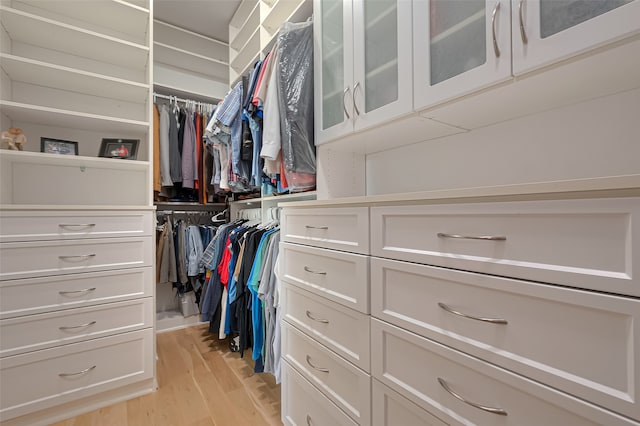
{"x": 353, "y": 98}
{"x": 316, "y": 227}
{"x": 344, "y": 103}
{"x": 496, "y": 49}
{"x": 308, "y": 420}
{"x": 322, "y": 370}
{"x": 86, "y": 370}
{"x": 473, "y": 237}
{"x": 491, "y": 320}
{"x": 77, "y": 326}
{"x": 78, "y": 225}
{"x": 498, "y": 411}
{"x": 306, "y": 268}
{"x": 523, "y": 33}
{"x": 323, "y": 321}
{"x": 86, "y": 290}
{"x": 81, "y": 256}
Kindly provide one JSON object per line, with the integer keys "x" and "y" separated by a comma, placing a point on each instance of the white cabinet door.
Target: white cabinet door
{"x": 333, "y": 57}
{"x": 459, "y": 47}
{"x": 547, "y": 31}
{"x": 383, "y": 64}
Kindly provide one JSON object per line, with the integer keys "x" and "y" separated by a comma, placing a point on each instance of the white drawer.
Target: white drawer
{"x": 579, "y": 243}
{"x": 559, "y": 336}
{"x": 57, "y": 225}
{"x": 414, "y": 366}
{"x": 46, "y": 294}
{"x": 392, "y": 409}
{"x": 347, "y": 386}
{"x": 338, "y": 276}
{"x": 344, "y": 228}
{"x": 37, "y": 259}
{"x": 35, "y": 332}
{"x": 343, "y": 330}
{"x": 304, "y": 405}
{"x": 36, "y": 380}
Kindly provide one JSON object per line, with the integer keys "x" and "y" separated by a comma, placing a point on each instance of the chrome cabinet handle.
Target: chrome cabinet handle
{"x": 86, "y": 290}
{"x": 493, "y": 410}
{"x": 306, "y": 268}
{"x": 86, "y": 370}
{"x": 78, "y": 225}
{"x": 308, "y": 420}
{"x": 344, "y": 103}
{"x": 81, "y": 256}
{"x": 355, "y": 105}
{"x": 523, "y": 33}
{"x": 77, "y": 326}
{"x": 473, "y": 237}
{"x": 316, "y": 227}
{"x": 322, "y": 370}
{"x": 496, "y": 49}
{"x": 460, "y": 314}
{"x": 323, "y": 321}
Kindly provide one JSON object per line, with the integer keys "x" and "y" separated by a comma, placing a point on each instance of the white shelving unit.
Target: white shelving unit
{"x": 268, "y": 201}
{"x": 254, "y": 28}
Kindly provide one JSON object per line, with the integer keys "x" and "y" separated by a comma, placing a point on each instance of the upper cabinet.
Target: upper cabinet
{"x": 459, "y": 47}
{"x": 362, "y": 55}
{"x": 548, "y": 31}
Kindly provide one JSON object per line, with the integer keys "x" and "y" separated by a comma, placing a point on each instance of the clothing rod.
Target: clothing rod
{"x": 177, "y": 99}
{"x": 191, "y": 212}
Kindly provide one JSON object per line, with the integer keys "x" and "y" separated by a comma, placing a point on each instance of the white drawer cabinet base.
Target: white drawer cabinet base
{"x": 392, "y": 409}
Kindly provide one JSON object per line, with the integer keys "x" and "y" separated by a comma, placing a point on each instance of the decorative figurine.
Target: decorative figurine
{"x": 13, "y": 139}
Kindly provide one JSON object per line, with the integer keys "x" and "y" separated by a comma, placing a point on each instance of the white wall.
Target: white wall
{"x": 597, "y": 138}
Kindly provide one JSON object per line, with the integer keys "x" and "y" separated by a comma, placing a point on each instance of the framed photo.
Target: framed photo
{"x": 119, "y": 148}
{"x": 58, "y": 146}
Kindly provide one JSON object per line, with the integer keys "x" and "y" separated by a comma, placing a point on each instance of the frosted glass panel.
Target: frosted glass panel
{"x": 332, "y": 63}
{"x": 559, "y": 15}
{"x": 457, "y": 37}
{"x": 381, "y": 53}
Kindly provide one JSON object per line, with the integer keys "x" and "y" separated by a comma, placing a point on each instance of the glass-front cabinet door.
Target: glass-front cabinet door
{"x": 459, "y": 47}
{"x": 547, "y": 31}
{"x": 333, "y": 57}
{"x": 382, "y": 61}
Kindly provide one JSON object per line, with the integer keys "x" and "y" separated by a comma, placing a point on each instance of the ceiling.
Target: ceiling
{"x": 207, "y": 17}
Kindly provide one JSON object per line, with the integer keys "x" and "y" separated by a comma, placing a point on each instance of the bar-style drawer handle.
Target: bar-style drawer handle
{"x": 306, "y": 268}
{"x": 498, "y": 411}
{"x": 77, "y": 326}
{"x": 473, "y": 237}
{"x": 308, "y": 420}
{"x": 323, "y": 321}
{"x": 316, "y": 227}
{"x": 85, "y": 290}
{"x": 77, "y": 225}
{"x": 320, "y": 369}
{"x": 460, "y": 314}
{"x": 81, "y": 256}
{"x": 85, "y": 371}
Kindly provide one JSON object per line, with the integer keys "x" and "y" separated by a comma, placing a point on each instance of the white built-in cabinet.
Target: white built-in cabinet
{"x": 362, "y": 55}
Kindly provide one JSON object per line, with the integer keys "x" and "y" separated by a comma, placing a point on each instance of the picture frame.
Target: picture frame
{"x": 126, "y": 149}
{"x": 58, "y": 146}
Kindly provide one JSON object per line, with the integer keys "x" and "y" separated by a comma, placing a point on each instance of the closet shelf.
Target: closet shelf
{"x": 72, "y": 39}
{"x": 21, "y": 112}
{"x": 242, "y": 12}
{"x": 190, "y": 206}
{"x": 246, "y": 29}
{"x": 116, "y": 15}
{"x": 286, "y": 11}
{"x": 174, "y": 56}
{"x": 40, "y": 73}
{"x": 245, "y": 56}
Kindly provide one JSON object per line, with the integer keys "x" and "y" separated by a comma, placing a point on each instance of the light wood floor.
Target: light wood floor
{"x": 201, "y": 383}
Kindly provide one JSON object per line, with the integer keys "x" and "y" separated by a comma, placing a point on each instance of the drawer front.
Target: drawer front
{"x": 337, "y": 276}
{"x": 345, "y": 228}
{"x": 37, "y": 259}
{"x": 341, "y": 329}
{"x": 302, "y": 404}
{"x": 42, "y": 379}
{"x": 347, "y": 386}
{"x": 559, "y": 336}
{"x": 578, "y": 243}
{"x": 36, "y": 295}
{"x": 57, "y": 225}
{"x": 421, "y": 369}
{"x": 392, "y": 409}
{"x": 35, "y": 332}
